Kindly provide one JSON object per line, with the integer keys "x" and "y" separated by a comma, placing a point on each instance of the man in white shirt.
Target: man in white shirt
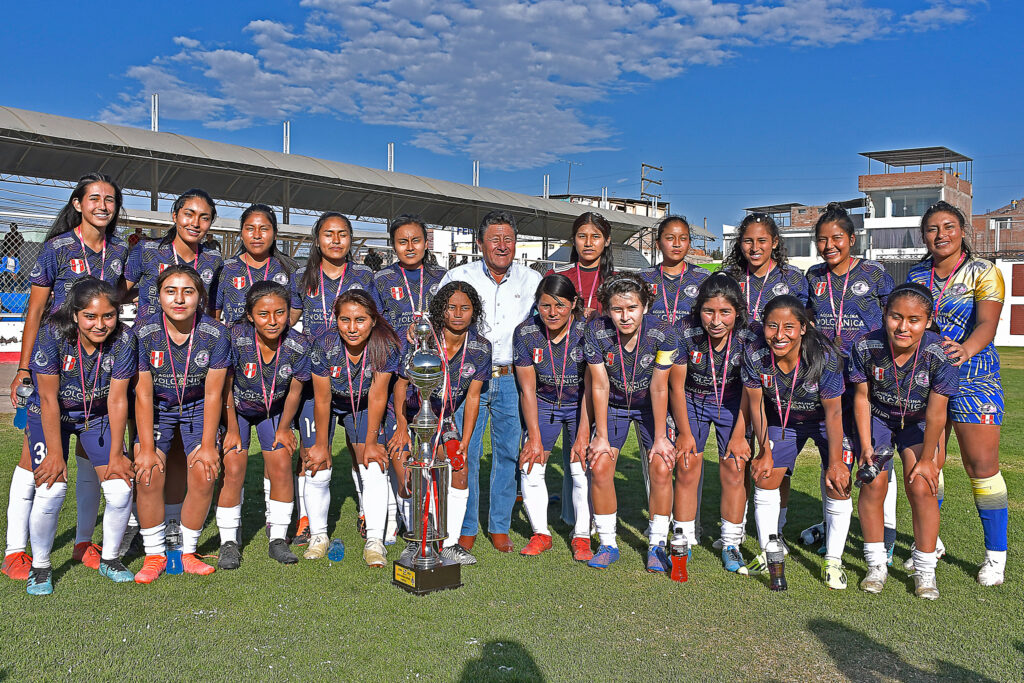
{"x": 507, "y": 290}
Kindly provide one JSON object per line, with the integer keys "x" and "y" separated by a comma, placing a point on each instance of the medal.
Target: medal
{"x": 671, "y": 316}
{"x": 725, "y": 371}
{"x": 87, "y": 407}
{"x": 778, "y": 398}
{"x": 323, "y": 300}
{"x": 903, "y": 407}
{"x": 417, "y": 311}
{"x": 273, "y": 383}
{"x": 565, "y": 359}
{"x": 622, "y": 362}
{"x": 188, "y": 358}
{"x": 842, "y": 300}
{"x": 757, "y": 304}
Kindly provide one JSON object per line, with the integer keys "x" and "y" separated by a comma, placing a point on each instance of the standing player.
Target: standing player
{"x": 404, "y": 289}
{"x": 258, "y": 262}
{"x": 903, "y": 382}
{"x": 551, "y": 367}
{"x": 674, "y": 283}
{"x": 590, "y": 259}
{"x": 82, "y": 363}
{"x": 968, "y": 294}
{"x": 184, "y": 355}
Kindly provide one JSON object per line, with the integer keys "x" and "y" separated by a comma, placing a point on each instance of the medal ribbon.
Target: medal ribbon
{"x": 842, "y": 300}
{"x": 778, "y": 399}
{"x": 622, "y": 362}
{"x": 266, "y": 271}
{"x": 188, "y": 358}
{"x": 725, "y": 370}
{"x": 85, "y": 254}
{"x": 408, "y": 290}
{"x": 87, "y": 408}
{"x": 362, "y": 377}
{"x": 273, "y": 383}
{"x": 764, "y": 284}
{"x": 565, "y": 358}
{"x": 949, "y": 279}
{"x": 903, "y": 405}
{"x": 671, "y": 316}
{"x": 323, "y": 300}
{"x": 579, "y": 285}
{"x": 195, "y": 264}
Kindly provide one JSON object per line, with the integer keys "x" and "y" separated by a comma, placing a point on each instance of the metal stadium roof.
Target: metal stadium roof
{"x": 917, "y": 156}
{"x": 41, "y": 145}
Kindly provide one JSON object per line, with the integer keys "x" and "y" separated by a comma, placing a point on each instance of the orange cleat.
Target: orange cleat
{"x": 193, "y": 565}
{"x": 152, "y": 567}
{"x": 88, "y": 553}
{"x": 17, "y": 565}
{"x": 302, "y": 534}
{"x": 538, "y": 544}
{"x": 581, "y": 551}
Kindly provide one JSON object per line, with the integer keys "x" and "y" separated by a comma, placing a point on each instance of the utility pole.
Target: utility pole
{"x": 391, "y": 156}
{"x": 645, "y": 182}
{"x": 154, "y": 113}
{"x": 546, "y": 193}
{"x": 568, "y": 179}
{"x": 476, "y": 174}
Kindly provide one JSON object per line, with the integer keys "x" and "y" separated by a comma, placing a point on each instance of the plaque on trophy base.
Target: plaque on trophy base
{"x": 422, "y": 581}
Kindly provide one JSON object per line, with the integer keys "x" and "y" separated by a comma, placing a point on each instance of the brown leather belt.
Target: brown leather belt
{"x": 499, "y": 370}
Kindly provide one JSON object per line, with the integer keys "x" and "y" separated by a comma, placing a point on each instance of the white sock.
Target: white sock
{"x": 925, "y": 562}
{"x": 318, "y": 500}
{"x": 279, "y": 514}
{"x": 997, "y": 557}
{"x": 228, "y": 522}
{"x": 659, "y": 530}
{"x": 43, "y": 521}
{"x": 391, "y": 528}
{"x": 837, "y": 525}
{"x": 889, "y": 506}
{"x": 117, "y": 495}
{"x": 266, "y": 498}
{"x": 375, "y": 500}
{"x": 19, "y": 507}
{"x": 300, "y": 496}
{"x": 580, "y": 500}
{"x": 690, "y": 531}
{"x": 606, "y": 529}
{"x": 87, "y": 500}
{"x": 535, "y": 498}
{"x": 782, "y": 517}
{"x": 154, "y": 539}
{"x": 189, "y": 539}
{"x": 458, "y": 500}
{"x": 359, "y": 489}
{"x": 732, "y": 534}
{"x": 767, "y": 503}
{"x": 875, "y": 555}
{"x": 172, "y": 512}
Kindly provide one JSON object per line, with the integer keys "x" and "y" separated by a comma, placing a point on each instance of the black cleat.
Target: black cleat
{"x": 230, "y": 556}
{"x": 279, "y": 551}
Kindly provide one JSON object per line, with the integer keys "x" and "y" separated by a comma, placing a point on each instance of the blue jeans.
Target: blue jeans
{"x": 499, "y": 402}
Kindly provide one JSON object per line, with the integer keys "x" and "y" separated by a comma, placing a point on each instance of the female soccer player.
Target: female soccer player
{"x": 673, "y": 282}
{"x": 711, "y": 352}
{"x": 193, "y": 213}
{"x": 404, "y": 289}
{"x": 630, "y": 354}
{"x": 794, "y": 385}
{"x": 455, "y": 315}
{"x": 82, "y": 242}
{"x": 903, "y": 381}
{"x": 352, "y": 369}
{"x": 258, "y": 262}
{"x": 184, "y": 355}
{"x": 590, "y": 259}
{"x": 968, "y": 294}
{"x": 82, "y": 363}
{"x": 329, "y": 272}
{"x": 550, "y": 367}
{"x": 270, "y": 362}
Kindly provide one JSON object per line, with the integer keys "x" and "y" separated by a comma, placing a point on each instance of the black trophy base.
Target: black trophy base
{"x": 423, "y": 581}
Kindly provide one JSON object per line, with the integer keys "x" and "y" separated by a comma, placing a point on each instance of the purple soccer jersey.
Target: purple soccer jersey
{"x": 64, "y": 259}
{"x": 901, "y": 394}
{"x": 253, "y": 377}
{"x": 399, "y": 295}
{"x": 166, "y": 361}
{"x": 318, "y": 307}
{"x": 329, "y": 359}
{"x": 236, "y": 277}
{"x": 656, "y": 348}
{"x": 801, "y": 398}
{"x": 860, "y": 298}
{"x": 696, "y": 354}
{"x": 55, "y": 355}
{"x": 759, "y": 291}
{"x": 530, "y": 348}
{"x": 148, "y": 259}
{"x": 471, "y": 361}
{"x": 674, "y": 295}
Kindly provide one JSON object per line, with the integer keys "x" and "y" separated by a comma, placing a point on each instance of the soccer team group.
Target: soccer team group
{"x": 163, "y": 410}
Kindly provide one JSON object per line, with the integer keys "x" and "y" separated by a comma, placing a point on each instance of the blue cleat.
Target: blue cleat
{"x": 604, "y": 557}
{"x": 336, "y": 552}
{"x": 732, "y": 560}
{"x": 115, "y": 571}
{"x": 657, "y": 559}
{"x": 888, "y": 555}
{"x": 40, "y": 581}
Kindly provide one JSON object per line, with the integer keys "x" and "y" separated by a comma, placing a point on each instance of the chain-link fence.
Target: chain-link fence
{"x": 20, "y": 244}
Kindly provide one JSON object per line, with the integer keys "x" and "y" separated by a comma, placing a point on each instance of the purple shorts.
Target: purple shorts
{"x": 704, "y": 413}
{"x": 554, "y": 420}
{"x": 354, "y": 425}
{"x": 189, "y": 424}
{"x": 787, "y": 444}
{"x": 95, "y": 442}
{"x": 304, "y": 419}
{"x": 266, "y": 429}
{"x": 619, "y": 419}
{"x": 885, "y": 434}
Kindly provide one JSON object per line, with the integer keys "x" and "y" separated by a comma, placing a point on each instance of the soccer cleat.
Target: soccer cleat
{"x": 455, "y": 554}
{"x": 193, "y": 565}
{"x": 581, "y": 551}
{"x": 127, "y": 541}
{"x": 833, "y": 574}
{"x": 875, "y": 579}
{"x": 336, "y": 550}
{"x": 17, "y": 565}
{"x": 279, "y": 551}
{"x": 603, "y": 558}
{"x": 87, "y": 553}
{"x": 230, "y": 557}
{"x": 374, "y": 553}
{"x": 940, "y": 550}
{"x": 924, "y": 585}
{"x": 301, "y": 532}
{"x": 758, "y": 565}
{"x": 813, "y": 534}
{"x": 538, "y": 544}
{"x": 719, "y": 545}
{"x": 317, "y": 547}
{"x": 152, "y": 567}
{"x": 361, "y": 525}
{"x": 732, "y": 560}
{"x": 40, "y": 581}
{"x": 991, "y": 573}
{"x": 115, "y": 571}
{"x": 657, "y": 559}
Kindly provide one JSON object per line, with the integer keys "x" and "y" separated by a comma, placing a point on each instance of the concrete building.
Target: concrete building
{"x": 1000, "y": 232}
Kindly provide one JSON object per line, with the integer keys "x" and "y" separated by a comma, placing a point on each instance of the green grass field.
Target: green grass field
{"x": 544, "y": 618}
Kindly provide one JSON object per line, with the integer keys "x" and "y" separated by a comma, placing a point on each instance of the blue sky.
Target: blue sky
{"x": 741, "y": 103}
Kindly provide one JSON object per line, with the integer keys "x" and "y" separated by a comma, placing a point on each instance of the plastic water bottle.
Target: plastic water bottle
{"x": 776, "y": 564}
{"x": 173, "y": 543}
{"x": 680, "y": 550}
{"x": 336, "y": 551}
{"x": 866, "y": 475}
{"x": 23, "y": 391}
{"x": 813, "y": 534}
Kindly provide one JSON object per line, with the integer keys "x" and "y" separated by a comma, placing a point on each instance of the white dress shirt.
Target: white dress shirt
{"x": 506, "y": 303}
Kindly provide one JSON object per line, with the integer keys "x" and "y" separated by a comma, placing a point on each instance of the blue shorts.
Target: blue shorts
{"x": 786, "y": 445}
{"x": 885, "y": 434}
{"x": 704, "y": 413}
{"x": 266, "y": 430}
{"x": 619, "y": 419}
{"x": 95, "y": 442}
{"x": 354, "y": 425}
{"x": 304, "y": 419}
{"x": 980, "y": 401}
{"x": 167, "y": 421}
{"x": 554, "y": 420}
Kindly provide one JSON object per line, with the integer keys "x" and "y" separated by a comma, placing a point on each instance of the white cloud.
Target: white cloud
{"x": 514, "y": 84}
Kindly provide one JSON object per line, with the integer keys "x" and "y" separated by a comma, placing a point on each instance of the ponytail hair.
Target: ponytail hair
{"x": 82, "y": 294}
{"x": 720, "y": 284}
{"x": 190, "y": 272}
{"x": 561, "y": 287}
{"x": 286, "y": 263}
{"x": 736, "y": 263}
{"x": 179, "y": 204}
{"x": 815, "y": 348}
{"x": 383, "y": 339}
{"x": 835, "y": 213}
{"x": 311, "y": 278}
{"x": 70, "y": 218}
{"x": 605, "y": 267}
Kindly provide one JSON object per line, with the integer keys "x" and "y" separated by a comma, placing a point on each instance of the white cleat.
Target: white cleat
{"x": 991, "y": 573}
{"x": 940, "y": 550}
{"x": 875, "y": 579}
{"x": 924, "y": 585}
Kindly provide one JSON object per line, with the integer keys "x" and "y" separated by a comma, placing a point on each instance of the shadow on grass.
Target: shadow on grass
{"x": 501, "y": 660}
{"x": 860, "y": 657}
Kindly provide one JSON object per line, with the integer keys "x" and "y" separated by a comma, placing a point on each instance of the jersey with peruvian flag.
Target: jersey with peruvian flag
{"x": 53, "y": 354}
{"x": 293, "y": 362}
{"x": 329, "y": 359}
{"x": 62, "y": 262}
{"x": 803, "y": 397}
{"x": 656, "y": 348}
{"x": 866, "y": 291}
{"x": 315, "y": 325}
{"x": 694, "y": 353}
{"x": 397, "y": 301}
{"x": 530, "y": 348}
{"x": 149, "y": 258}
{"x": 234, "y": 283}
{"x": 211, "y": 350}
{"x": 665, "y": 290}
